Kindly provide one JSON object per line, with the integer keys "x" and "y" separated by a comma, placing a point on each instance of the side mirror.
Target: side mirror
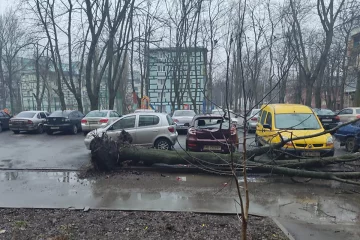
{"x": 187, "y": 125}
{"x": 267, "y": 126}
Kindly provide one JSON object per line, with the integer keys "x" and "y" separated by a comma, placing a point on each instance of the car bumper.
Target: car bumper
{"x": 63, "y": 127}
{"x": 210, "y": 146}
{"x": 328, "y": 126}
{"x": 252, "y": 125}
{"x": 173, "y": 138}
{"x": 87, "y": 142}
{"x": 308, "y": 153}
{"x": 89, "y": 128}
{"x": 181, "y": 127}
{"x": 23, "y": 128}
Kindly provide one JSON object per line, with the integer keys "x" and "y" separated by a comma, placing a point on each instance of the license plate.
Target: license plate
{"x": 311, "y": 154}
{"x": 327, "y": 120}
{"x": 212, "y": 148}
{"x": 55, "y": 128}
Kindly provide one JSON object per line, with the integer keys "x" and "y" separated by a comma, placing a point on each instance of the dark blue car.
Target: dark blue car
{"x": 349, "y": 136}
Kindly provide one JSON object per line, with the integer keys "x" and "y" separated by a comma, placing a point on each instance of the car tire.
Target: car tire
{"x": 163, "y": 144}
{"x": 40, "y": 129}
{"x": 49, "y": 132}
{"x": 16, "y": 131}
{"x": 350, "y": 145}
{"x": 74, "y": 129}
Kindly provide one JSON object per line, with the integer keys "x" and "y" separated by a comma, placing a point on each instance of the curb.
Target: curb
{"x": 283, "y": 229}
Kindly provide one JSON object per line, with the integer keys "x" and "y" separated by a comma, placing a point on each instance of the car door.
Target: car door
{"x": 4, "y": 118}
{"x": 345, "y": 114}
{"x": 148, "y": 129}
{"x": 42, "y": 117}
{"x": 125, "y": 123}
{"x": 259, "y": 127}
{"x": 269, "y": 134}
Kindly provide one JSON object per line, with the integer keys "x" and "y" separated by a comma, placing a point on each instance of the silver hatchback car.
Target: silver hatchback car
{"x": 98, "y": 119}
{"x": 152, "y": 129}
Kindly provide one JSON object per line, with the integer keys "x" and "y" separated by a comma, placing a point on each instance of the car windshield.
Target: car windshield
{"x": 60, "y": 114}
{"x": 255, "y": 112}
{"x": 211, "y": 123}
{"x": 297, "y": 121}
{"x": 26, "y": 114}
{"x": 324, "y": 112}
{"x": 221, "y": 112}
{"x": 97, "y": 114}
{"x": 184, "y": 113}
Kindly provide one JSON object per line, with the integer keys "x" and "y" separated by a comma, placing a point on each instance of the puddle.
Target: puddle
{"x": 199, "y": 193}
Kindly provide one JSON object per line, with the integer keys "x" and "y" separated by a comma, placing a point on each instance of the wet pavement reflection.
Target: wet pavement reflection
{"x": 318, "y": 202}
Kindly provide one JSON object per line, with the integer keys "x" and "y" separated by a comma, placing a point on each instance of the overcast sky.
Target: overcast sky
{"x": 4, "y": 4}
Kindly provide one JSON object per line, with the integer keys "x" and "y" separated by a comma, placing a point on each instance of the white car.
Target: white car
{"x": 156, "y": 130}
{"x": 98, "y": 119}
{"x": 233, "y": 116}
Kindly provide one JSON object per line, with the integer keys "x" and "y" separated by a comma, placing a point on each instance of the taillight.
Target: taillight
{"x": 83, "y": 121}
{"x": 29, "y": 122}
{"x": 175, "y": 120}
{"x": 171, "y": 129}
{"x": 233, "y": 130}
{"x": 192, "y": 131}
{"x": 337, "y": 118}
{"x": 357, "y": 116}
{"x": 254, "y": 119}
{"x": 104, "y": 120}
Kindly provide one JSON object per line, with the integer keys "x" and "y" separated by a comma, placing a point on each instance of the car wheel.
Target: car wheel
{"x": 350, "y": 145}
{"x": 74, "y": 130}
{"x": 40, "y": 129}
{"x": 49, "y": 132}
{"x": 16, "y": 132}
{"x": 163, "y": 144}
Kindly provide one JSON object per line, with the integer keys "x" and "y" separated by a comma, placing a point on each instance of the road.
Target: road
{"x": 62, "y": 151}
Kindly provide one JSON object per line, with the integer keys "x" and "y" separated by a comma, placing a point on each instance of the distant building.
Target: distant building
{"x": 168, "y": 70}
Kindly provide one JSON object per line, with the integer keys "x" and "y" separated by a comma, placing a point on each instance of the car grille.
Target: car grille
{"x": 307, "y": 145}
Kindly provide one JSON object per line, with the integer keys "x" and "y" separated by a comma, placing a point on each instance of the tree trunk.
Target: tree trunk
{"x": 308, "y": 90}
{"x": 357, "y": 93}
{"x": 317, "y": 96}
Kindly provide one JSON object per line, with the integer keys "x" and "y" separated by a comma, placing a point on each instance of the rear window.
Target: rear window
{"x": 184, "y": 113}
{"x": 26, "y": 114}
{"x": 357, "y": 111}
{"x": 255, "y": 112}
{"x": 324, "y": 112}
{"x": 296, "y": 121}
{"x": 60, "y": 114}
{"x": 170, "y": 120}
{"x": 97, "y": 114}
{"x": 148, "y": 120}
{"x": 211, "y": 123}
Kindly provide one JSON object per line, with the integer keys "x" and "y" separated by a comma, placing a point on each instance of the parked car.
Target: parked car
{"x": 28, "y": 121}
{"x": 156, "y": 130}
{"x": 98, "y": 119}
{"x": 349, "y": 136}
{"x": 64, "y": 121}
{"x": 233, "y": 116}
{"x": 252, "y": 120}
{"x": 181, "y": 117}
{"x": 4, "y": 120}
{"x": 349, "y": 114}
{"x": 211, "y": 133}
{"x": 293, "y": 120}
{"x": 327, "y": 118}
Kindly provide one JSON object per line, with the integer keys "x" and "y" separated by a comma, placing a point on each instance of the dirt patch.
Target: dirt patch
{"x": 94, "y": 224}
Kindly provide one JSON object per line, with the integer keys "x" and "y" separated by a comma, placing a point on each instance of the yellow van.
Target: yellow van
{"x": 291, "y": 121}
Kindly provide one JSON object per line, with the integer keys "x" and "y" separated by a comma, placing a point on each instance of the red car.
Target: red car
{"x": 211, "y": 133}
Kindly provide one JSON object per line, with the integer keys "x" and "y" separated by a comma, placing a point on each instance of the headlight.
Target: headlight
{"x": 329, "y": 140}
{"x": 90, "y": 135}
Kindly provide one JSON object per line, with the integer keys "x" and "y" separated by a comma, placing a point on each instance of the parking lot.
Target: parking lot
{"x": 62, "y": 151}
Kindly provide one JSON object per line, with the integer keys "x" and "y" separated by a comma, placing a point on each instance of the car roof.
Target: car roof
{"x": 33, "y": 111}
{"x": 288, "y": 108}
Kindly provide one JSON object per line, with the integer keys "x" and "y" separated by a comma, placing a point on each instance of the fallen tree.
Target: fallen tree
{"x": 108, "y": 154}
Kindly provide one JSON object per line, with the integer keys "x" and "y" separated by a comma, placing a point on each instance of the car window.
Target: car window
{"x": 148, "y": 120}
{"x": 114, "y": 114}
{"x": 1, "y": 114}
{"x": 211, "y": 123}
{"x": 357, "y": 111}
{"x": 345, "y": 111}
{"x": 323, "y": 112}
{"x": 179, "y": 113}
{"x": 97, "y": 114}
{"x": 42, "y": 115}
{"x": 263, "y": 117}
{"x": 80, "y": 114}
{"x": 38, "y": 116}
{"x": 26, "y": 115}
{"x": 300, "y": 121}
{"x": 269, "y": 119}
{"x": 60, "y": 114}
{"x": 72, "y": 115}
{"x": 124, "y": 123}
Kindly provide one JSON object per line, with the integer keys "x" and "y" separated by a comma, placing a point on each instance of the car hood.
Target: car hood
{"x": 301, "y": 133}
